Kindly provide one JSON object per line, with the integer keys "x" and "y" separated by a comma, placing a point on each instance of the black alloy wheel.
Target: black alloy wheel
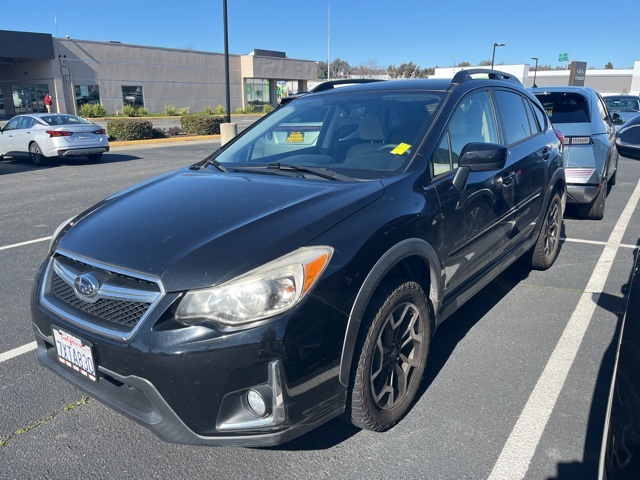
{"x": 393, "y": 354}
{"x": 547, "y": 246}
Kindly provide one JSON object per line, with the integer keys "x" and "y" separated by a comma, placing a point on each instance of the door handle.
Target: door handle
{"x": 506, "y": 179}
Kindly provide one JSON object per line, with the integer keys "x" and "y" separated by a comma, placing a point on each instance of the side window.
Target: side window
{"x": 26, "y": 122}
{"x": 473, "y": 120}
{"x": 604, "y": 113}
{"x": 12, "y": 124}
{"x": 540, "y": 115}
{"x": 514, "y": 116}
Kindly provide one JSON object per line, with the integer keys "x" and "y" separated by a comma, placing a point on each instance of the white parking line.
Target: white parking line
{"x": 17, "y": 351}
{"x": 21, "y": 244}
{"x": 517, "y": 452}
{"x": 596, "y": 242}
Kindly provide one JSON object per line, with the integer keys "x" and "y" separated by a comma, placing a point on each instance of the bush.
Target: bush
{"x": 250, "y": 108}
{"x": 183, "y": 111}
{"x": 220, "y": 110}
{"x": 159, "y": 132}
{"x": 195, "y": 124}
{"x": 130, "y": 129}
{"x": 169, "y": 110}
{"x": 142, "y": 111}
{"x": 88, "y": 110}
{"x": 239, "y": 111}
{"x": 174, "y": 131}
{"x": 268, "y": 108}
{"x": 129, "y": 111}
{"x": 209, "y": 111}
{"x": 99, "y": 110}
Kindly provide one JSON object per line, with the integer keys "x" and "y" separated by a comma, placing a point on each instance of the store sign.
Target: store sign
{"x": 563, "y": 57}
{"x": 577, "y": 73}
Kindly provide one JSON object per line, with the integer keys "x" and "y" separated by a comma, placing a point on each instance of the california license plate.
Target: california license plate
{"x": 75, "y": 353}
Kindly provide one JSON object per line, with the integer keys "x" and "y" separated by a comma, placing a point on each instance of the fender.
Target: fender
{"x": 407, "y": 248}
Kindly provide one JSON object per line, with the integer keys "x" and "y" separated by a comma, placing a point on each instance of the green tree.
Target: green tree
{"x": 609, "y": 66}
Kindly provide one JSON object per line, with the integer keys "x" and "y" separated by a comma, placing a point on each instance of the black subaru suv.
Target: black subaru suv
{"x": 298, "y": 273}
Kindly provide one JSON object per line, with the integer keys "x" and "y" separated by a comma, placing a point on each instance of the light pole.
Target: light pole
{"x": 493, "y": 57}
{"x": 328, "y": 41}
{"x": 535, "y": 71}
{"x": 227, "y": 117}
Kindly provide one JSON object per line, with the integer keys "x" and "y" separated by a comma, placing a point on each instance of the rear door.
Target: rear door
{"x": 529, "y": 151}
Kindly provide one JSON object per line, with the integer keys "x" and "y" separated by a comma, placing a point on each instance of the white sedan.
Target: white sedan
{"x": 47, "y": 135}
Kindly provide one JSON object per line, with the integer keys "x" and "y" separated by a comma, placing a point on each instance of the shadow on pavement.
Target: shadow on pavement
{"x": 20, "y": 164}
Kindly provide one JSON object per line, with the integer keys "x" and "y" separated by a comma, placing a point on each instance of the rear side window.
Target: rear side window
{"x": 565, "y": 107}
{"x": 515, "y": 120}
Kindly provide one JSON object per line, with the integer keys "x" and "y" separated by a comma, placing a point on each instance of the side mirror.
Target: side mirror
{"x": 616, "y": 119}
{"x": 479, "y": 157}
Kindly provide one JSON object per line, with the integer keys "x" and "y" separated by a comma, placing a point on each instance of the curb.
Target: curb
{"x": 127, "y": 143}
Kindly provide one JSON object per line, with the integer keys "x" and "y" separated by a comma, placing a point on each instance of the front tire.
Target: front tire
{"x": 36, "y": 155}
{"x": 392, "y": 358}
{"x": 547, "y": 247}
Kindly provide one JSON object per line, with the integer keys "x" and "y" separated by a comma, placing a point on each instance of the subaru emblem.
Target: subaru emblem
{"x": 86, "y": 286}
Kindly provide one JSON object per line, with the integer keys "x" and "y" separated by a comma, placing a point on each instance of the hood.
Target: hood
{"x": 198, "y": 228}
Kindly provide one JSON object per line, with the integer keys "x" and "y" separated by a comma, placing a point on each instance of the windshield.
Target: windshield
{"x": 360, "y": 135}
{"x": 565, "y": 107}
{"x": 623, "y": 104}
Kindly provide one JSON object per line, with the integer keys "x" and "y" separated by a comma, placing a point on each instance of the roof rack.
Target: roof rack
{"x": 472, "y": 74}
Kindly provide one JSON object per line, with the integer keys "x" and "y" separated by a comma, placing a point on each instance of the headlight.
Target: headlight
{"x": 261, "y": 293}
{"x": 56, "y": 233}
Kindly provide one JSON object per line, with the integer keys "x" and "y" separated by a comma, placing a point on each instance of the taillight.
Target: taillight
{"x": 59, "y": 133}
{"x": 101, "y": 131}
{"x": 578, "y": 141}
{"x": 559, "y": 135}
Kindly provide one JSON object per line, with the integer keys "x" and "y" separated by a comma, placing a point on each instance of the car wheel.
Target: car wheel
{"x": 595, "y": 210}
{"x": 36, "y": 155}
{"x": 547, "y": 247}
{"x": 393, "y": 354}
{"x": 96, "y": 157}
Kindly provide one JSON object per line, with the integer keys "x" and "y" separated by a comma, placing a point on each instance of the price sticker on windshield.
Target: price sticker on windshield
{"x": 295, "y": 137}
{"x": 401, "y": 149}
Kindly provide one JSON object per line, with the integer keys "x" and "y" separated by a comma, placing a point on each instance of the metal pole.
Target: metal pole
{"x": 535, "y": 72}
{"x": 328, "y": 41}
{"x": 493, "y": 57}
{"x": 227, "y": 117}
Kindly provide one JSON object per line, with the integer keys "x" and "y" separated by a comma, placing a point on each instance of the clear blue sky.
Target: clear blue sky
{"x": 429, "y": 33}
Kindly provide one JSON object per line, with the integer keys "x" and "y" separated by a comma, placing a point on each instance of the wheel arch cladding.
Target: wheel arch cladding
{"x": 412, "y": 259}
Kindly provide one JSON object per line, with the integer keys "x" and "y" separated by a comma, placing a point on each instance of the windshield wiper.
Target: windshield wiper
{"x": 208, "y": 161}
{"x": 320, "y": 172}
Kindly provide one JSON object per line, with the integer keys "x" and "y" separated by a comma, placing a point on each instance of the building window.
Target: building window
{"x": 29, "y": 98}
{"x": 258, "y": 92}
{"x": 87, "y": 94}
{"x": 132, "y": 95}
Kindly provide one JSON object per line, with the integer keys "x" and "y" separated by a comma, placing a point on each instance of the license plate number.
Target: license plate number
{"x": 82, "y": 137}
{"x": 75, "y": 353}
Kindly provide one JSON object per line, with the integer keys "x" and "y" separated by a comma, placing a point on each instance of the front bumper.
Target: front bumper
{"x": 189, "y": 384}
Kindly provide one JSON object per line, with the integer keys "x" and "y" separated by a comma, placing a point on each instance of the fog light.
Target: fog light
{"x": 256, "y": 403}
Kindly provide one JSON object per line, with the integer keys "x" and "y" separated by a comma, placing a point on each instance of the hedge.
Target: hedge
{"x": 130, "y": 129}
{"x": 196, "y": 124}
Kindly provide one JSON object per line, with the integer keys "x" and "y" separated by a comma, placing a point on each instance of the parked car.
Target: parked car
{"x": 590, "y": 156}
{"x": 628, "y": 139}
{"x": 45, "y": 136}
{"x": 620, "y": 453}
{"x": 626, "y": 106}
{"x": 259, "y": 293}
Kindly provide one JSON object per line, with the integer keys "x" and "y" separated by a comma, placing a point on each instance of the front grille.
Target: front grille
{"x": 115, "y": 305}
{"x": 122, "y": 312}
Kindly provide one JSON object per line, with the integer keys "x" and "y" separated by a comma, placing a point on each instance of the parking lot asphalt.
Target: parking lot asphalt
{"x": 515, "y": 387}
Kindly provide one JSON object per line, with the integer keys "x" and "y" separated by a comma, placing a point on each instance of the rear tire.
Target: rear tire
{"x": 595, "y": 210}
{"x": 36, "y": 155}
{"x": 392, "y": 357}
{"x": 547, "y": 247}
{"x": 95, "y": 157}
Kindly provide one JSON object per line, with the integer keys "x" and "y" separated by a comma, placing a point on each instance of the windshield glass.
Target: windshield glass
{"x": 623, "y": 104}
{"x": 565, "y": 107}
{"x": 361, "y": 135}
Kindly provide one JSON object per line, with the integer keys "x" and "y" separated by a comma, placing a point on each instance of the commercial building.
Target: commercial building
{"x": 115, "y": 74}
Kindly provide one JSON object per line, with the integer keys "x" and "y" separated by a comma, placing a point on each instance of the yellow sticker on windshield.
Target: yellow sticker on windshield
{"x": 401, "y": 148}
{"x": 295, "y": 137}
